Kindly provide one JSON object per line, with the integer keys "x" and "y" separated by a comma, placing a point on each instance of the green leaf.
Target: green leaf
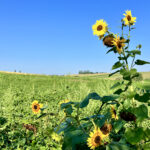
{"x": 100, "y": 122}
{"x": 141, "y": 62}
{"x": 119, "y": 91}
{"x": 75, "y": 137}
{"x": 109, "y": 98}
{"x": 85, "y": 102}
{"x": 143, "y": 98}
{"x": 140, "y": 112}
{"x": 135, "y": 52}
{"x": 117, "y": 65}
{"x": 65, "y": 105}
{"x": 134, "y": 136}
{"x": 112, "y": 50}
{"x": 117, "y": 84}
{"x": 128, "y": 75}
{"x": 117, "y": 146}
{"x": 114, "y": 73}
{"x": 93, "y": 116}
{"x": 61, "y": 127}
{"x": 130, "y": 94}
{"x": 118, "y": 125}
{"x": 42, "y": 115}
{"x": 68, "y": 110}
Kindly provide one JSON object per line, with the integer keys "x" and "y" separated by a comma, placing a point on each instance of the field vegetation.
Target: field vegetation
{"x": 21, "y": 129}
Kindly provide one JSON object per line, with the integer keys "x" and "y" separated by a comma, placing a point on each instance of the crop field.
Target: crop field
{"x": 20, "y": 128}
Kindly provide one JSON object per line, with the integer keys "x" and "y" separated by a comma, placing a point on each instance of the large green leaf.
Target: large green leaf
{"x": 65, "y": 105}
{"x": 134, "y": 136}
{"x": 106, "y": 99}
{"x": 75, "y": 137}
{"x": 85, "y": 102}
{"x": 140, "y": 112}
{"x": 141, "y": 62}
{"x": 118, "y": 64}
{"x": 127, "y": 75}
{"x": 134, "y": 52}
{"x": 100, "y": 122}
{"x": 68, "y": 110}
{"x": 143, "y": 98}
{"x": 118, "y": 125}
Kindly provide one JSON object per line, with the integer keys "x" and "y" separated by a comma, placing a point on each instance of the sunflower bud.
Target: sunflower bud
{"x": 108, "y": 40}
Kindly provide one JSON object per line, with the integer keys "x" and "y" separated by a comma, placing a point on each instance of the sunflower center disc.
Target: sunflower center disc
{"x": 105, "y": 129}
{"x": 119, "y": 46}
{"x": 97, "y": 139}
{"x": 129, "y": 18}
{"x": 100, "y": 27}
{"x": 35, "y": 107}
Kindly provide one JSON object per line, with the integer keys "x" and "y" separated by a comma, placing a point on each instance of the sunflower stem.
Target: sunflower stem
{"x": 132, "y": 62}
{"x": 100, "y": 108}
{"x": 126, "y": 61}
{"x": 122, "y": 28}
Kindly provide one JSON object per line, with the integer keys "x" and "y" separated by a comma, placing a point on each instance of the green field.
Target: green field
{"x": 18, "y": 91}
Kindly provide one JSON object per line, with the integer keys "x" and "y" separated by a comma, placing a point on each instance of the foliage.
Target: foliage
{"x": 124, "y": 111}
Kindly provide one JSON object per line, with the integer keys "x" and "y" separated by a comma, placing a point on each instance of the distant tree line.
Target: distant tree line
{"x": 88, "y": 72}
{"x": 16, "y": 71}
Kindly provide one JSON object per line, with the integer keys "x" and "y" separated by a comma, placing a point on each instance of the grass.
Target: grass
{"x": 17, "y": 91}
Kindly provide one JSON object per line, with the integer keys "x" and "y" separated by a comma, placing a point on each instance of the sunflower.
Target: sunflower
{"x": 106, "y": 129}
{"x": 128, "y": 19}
{"x": 113, "y": 113}
{"x": 36, "y": 107}
{"x": 108, "y": 40}
{"x": 95, "y": 138}
{"x": 119, "y": 43}
{"x": 100, "y": 28}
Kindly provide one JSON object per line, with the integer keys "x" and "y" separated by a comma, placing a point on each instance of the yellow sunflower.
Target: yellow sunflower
{"x": 128, "y": 19}
{"x": 106, "y": 129}
{"x": 100, "y": 28}
{"x": 36, "y": 107}
{"x": 119, "y": 43}
{"x": 95, "y": 138}
{"x": 113, "y": 113}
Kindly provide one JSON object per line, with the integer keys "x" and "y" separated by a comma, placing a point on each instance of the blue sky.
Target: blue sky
{"x": 55, "y": 36}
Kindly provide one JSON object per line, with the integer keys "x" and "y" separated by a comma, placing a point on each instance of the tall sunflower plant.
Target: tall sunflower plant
{"x": 122, "y": 120}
